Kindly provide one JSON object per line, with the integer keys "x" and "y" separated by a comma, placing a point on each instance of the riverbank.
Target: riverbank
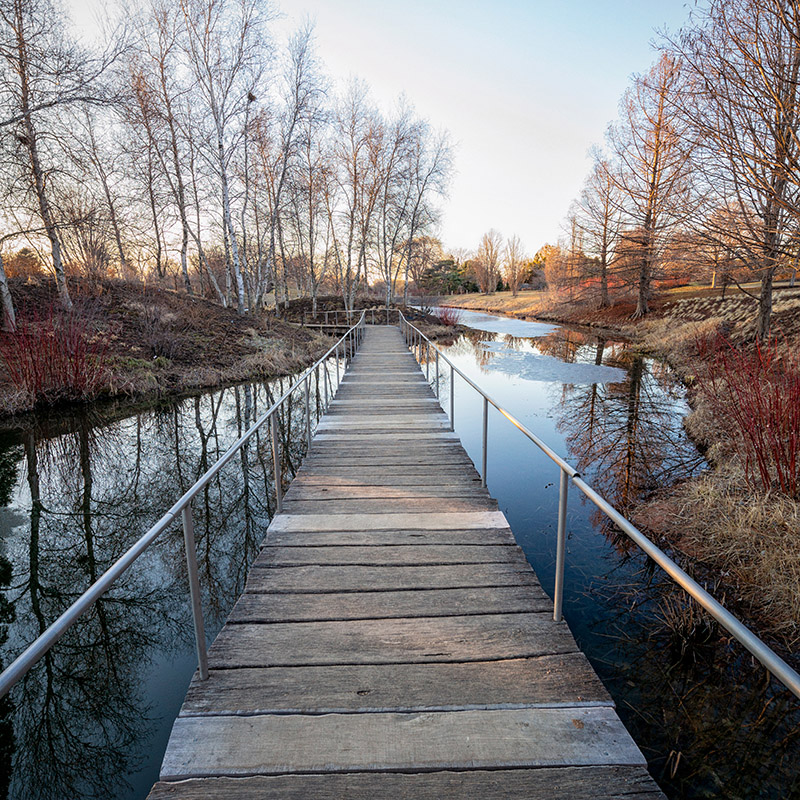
{"x": 125, "y": 340}
{"x": 740, "y": 538}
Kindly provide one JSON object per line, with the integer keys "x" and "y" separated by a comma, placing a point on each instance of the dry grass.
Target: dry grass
{"x": 748, "y": 541}
{"x": 523, "y": 305}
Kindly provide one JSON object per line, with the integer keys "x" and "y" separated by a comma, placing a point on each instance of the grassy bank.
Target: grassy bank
{"x": 736, "y": 525}
{"x": 128, "y": 340}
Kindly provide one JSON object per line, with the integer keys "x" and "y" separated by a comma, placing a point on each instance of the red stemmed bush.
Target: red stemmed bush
{"x": 448, "y": 316}
{"x": 54, "y": 356}
{"x": 754, "y": 393}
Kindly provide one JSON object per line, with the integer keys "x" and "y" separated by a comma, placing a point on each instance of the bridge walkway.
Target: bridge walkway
{"x": 392, "y": 640}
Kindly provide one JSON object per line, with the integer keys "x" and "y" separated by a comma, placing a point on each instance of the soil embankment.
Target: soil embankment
{"x": 129, "y": 340}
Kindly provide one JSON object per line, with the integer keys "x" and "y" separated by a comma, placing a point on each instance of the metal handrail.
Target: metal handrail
{"x": 348, "y": 344}
{"x": 415, "y": 338}
{"x": 348, "y": 315}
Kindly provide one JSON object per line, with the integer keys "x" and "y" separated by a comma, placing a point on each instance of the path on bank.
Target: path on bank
{"x": 392, "y": 640}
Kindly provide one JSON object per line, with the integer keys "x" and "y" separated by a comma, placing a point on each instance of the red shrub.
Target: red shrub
{"x": 755, "y": 395}
{"x": 448, "y": 316}
{"x": 53, "y": 357}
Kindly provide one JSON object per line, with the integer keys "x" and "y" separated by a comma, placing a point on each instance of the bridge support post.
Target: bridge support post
{"x": 427, "y": 361}
{"x": 276, "y": 463}
{"x": 452, "y": 398}
{"x": 485, "y": 453}
{"x": 307, "y": 392}
{"x": 561, "y": 547}
{"x": 194, "y": 591}
{"x": 437, "y": 373}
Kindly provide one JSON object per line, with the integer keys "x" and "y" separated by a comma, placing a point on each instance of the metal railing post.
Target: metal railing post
{"x": 427, "y": 361}
{"x": 325, "y": 382}
{"x": 276, "y": 462}
{"x": 484, "y": 457}
{"x": 338, "y": 374}
{"x": 437, "y": 374}
{"x": 561, "y": 547}
{"x": 317, "y": 393}
{"x": 452, "y": 398}
{"x": 307, "y": 389}
{"x": 194, "y": 591}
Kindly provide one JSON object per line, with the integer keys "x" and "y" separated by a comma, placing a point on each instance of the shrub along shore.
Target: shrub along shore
{"x": 737, "y": 525}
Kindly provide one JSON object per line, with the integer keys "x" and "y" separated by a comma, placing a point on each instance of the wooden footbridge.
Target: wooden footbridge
{"x": 392, "y": 640}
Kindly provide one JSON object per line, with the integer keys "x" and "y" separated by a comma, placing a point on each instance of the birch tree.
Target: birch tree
{"x": 226, "y": 53}
{"x": 488, "y": 260}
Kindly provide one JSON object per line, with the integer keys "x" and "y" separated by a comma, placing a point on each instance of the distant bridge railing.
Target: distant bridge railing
{"x": 421, "y": 346}
{"x": 342, "y": 350}
{"x": 377, "y": 315}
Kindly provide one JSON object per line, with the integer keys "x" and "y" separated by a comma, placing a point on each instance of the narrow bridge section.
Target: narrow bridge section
{"x": 392, "y": 640}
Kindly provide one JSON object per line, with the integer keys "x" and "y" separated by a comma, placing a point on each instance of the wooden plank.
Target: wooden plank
{"x": 378, "y": 457}
{"x": 488, "y": 637}
{"x": 400, "y": 480}
{"x": 377, "y": 522}
{"x": 266, "y": 608}
{"x": 482, "y": 536}
{"x": 386, "y": 505}
{"x": 380, "y": 472}
{"x": 545, "y": 681}
{"x": 388, "y": 555}
{"x": 279, "y": 744}
{"x": 359, "y": 491}
{"x": 565, "y": 783}
{"x": 387, "y": 579}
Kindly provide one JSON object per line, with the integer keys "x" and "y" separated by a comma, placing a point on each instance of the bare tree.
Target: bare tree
{"x": 226, "y": 52}
{"x": 652, "y": 150}
{"x": 599, "y": 217}
{"x": 358, "y": 134}
{"x": 742, "y": 102}
{"x": 487, "y": 261}
{"x": 514, "y": 260}
{"x": 432, "y": 165}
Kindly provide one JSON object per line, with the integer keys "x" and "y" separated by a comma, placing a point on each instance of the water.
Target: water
{"x": 77, "y": 490}
{"x": 710, "y": 722}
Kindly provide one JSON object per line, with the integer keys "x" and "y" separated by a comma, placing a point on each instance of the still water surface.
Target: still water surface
{"x": 93, "y": 718}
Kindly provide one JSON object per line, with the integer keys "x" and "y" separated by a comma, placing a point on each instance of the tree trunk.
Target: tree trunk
{"x": 37, "y": 172}
{"x": 765, "y": 304}
{"x": 228, "y": 222}
{"x": 9, "y": 322}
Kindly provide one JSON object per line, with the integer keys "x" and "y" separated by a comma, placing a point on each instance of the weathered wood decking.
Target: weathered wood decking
{"x": 392, "y": 640}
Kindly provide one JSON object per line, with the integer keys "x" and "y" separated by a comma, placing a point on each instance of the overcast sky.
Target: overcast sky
{"x": 525, "y": 87}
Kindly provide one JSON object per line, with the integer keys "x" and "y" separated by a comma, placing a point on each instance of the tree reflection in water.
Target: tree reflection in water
{"x": 628, "y": 436}
{"x": 77, "y": 491}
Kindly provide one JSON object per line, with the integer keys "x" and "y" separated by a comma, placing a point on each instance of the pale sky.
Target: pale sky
{"x": 525, "y": 87}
